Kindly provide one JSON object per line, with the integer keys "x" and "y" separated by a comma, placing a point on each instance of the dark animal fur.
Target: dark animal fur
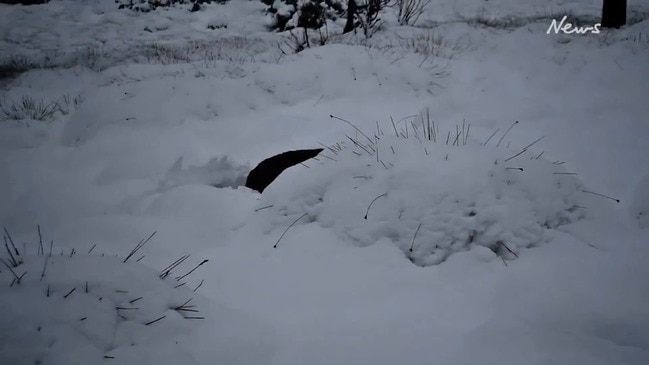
{"x": 269, "y": 169}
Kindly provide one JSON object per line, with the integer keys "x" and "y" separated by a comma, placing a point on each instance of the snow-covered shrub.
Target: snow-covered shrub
{"x": 367, "y": 15}
{"x": 84, "y": 307}
{"x": 148, "y": 5}
{"x": 430, "y": 194}
{"x": 410, "y": 10}
{"x": 310, "y": 14}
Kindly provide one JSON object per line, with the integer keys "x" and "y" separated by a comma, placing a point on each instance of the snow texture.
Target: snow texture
{"x": 529, "y": 247}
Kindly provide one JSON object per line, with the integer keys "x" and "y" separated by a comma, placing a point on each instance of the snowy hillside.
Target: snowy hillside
{"x": 482, "y": 195}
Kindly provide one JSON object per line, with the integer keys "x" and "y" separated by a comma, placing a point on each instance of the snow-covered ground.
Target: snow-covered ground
{"x": 440, "y": 231}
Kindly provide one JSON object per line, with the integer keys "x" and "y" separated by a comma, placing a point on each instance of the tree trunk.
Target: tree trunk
{"x": 351, "y": 13}
{"x": 613, "y": 13}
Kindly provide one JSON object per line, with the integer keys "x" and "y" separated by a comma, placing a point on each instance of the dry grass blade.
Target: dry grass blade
{"x": 192, "y": 270}
{"x": 491, "y": 136}
{"x": 504, "y": 134}
{"x": 18, "y": 258}
{"x": 40, "y": 241}
{"x": 44, "y": 268}
{"x": 167, "y": 270}
{"x": 602, "y": 195}
{"x": 516, "y": 155}
{"x": 154, "y": 321}
{"x": 139, "y": 246}
{"x": 287, "y": 228}
{"x": 412, "y": 245}
{"x": 353, "y": 126}
{"x": 375, "y": 199}
{"x": 12, "y": 271}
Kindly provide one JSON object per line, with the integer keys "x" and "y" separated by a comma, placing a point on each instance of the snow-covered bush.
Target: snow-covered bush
{"x": 410, "y": 10}
{"x": 148, "y": 5}
{"x": 430, "y": 194}
{"x": 84, "y": 307}
{"x": 310, "y": 14}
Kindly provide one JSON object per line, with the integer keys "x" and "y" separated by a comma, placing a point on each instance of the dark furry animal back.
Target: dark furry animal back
{"x": 269, "y": 169}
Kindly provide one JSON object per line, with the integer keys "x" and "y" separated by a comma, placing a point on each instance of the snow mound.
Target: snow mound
{"x": 82, "y": 309}
{"x": 429, "y": 198}
{"x": 219, "y": 172}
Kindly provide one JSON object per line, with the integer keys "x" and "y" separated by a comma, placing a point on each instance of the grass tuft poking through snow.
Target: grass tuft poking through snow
{"x": 431, "y": 196}
{"x": 85, "y": 307}
{"x": 30, "y": 108}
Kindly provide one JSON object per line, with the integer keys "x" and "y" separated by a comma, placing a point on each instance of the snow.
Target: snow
{"x": 508, "y": 266}
{"x": 460, "y": 195}
{"x": 90, "y": 308}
